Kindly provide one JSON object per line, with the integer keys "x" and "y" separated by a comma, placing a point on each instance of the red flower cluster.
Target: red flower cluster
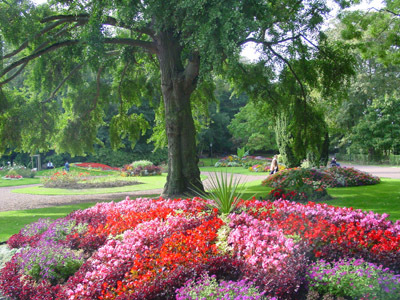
{"x": 331, "y": 236}
{"x": 182, "y": 249}
{"x": 97, "y": 166}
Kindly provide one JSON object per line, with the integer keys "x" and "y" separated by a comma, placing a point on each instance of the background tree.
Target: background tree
{"x": 252, "y": 128}
{"x": 144, "y": 45}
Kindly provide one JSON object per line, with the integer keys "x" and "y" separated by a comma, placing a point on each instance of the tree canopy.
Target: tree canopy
{"x": 135, "y": 50}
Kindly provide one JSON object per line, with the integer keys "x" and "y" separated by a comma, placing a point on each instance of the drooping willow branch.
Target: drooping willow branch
{"x": 291, "y": 70}
{"x": 96, "y": 97}
{"x": 53, "y": 94}
{"x": 120, "y": 85}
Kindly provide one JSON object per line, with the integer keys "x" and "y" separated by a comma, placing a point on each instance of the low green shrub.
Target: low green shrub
{"x": 141, "y": 163}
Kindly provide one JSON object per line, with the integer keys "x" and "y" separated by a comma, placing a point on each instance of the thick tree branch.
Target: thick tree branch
{"x": 267, "y": 44}
{"x": 40, "y": 33}
{"x": 14, "y": 75}
{"x": 149, "y": 46}
{"x": 28, "y": 58}
{"x": 291, "y": 70}
{"x": 84, "y": 18}
{"x": 53, "y": 94}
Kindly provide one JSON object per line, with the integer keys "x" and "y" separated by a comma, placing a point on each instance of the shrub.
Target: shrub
{"x": 96, "y": 166}
{"x": 326, "y": 177}
{"x": 148, "y": 170}
{"x": 350, "y": 177}
{"x": 225, "y": 192}
{"x": 141, "y": 163}
{"x": 25, "y": 172}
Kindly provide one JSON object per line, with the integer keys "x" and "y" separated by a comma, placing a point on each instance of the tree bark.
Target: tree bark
{"x": 177, "y": 84}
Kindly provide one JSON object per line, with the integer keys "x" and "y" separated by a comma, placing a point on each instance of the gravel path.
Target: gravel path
{"x": 14, "y": 201}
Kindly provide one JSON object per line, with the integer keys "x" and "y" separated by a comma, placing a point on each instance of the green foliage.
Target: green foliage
{"x": 375, "y": 33}
{"x": 378, "y": 129}
{"x": 122, "y": 126}
{"x": 242, "y": 152}
{"x": 284, "y": 140}
{"x": 252, "y": 128}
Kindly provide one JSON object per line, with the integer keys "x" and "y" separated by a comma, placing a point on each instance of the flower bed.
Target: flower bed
{"x": 149, "y": 170}
{"x": 321, "y": 178}
{"x": 167, "y": 249}
{"x": 96, "y": 166}
{"x": 78, "y": 180}
{"x": 12, "y": 177}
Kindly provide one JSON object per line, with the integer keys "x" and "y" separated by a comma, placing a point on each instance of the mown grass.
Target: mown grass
{"x": 380, "y": 198}
{"x": 24, "y": 181}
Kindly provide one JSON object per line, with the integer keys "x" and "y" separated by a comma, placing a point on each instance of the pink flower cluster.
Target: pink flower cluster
{"x": 259, "y": 243}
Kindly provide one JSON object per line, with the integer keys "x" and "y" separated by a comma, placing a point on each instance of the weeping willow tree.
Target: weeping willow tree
{"x": 301, "y": 133}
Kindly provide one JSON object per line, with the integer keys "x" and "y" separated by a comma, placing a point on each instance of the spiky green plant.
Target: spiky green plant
{"x": 224, "y": 191}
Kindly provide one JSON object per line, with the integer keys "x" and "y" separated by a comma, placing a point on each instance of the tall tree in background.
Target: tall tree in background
{"x": 143, "y": 44}
{"x": 367, "y": 120}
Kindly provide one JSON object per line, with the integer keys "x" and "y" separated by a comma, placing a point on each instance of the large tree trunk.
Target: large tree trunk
{"x": 177, "y": 84}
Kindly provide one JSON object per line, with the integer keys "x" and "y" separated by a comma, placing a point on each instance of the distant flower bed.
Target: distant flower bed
{"x": 16, "y": 172}
{"x": 82, "y": 180}
{"x": 264, "y": 168}
{"x": 182, "y": 249}
{"x": 12, "y": 177}
{"x": 323, "y": 178}
{"x": 97, "y": 166}
{"x": 246, "y": 161}
{"x": 141, "y": 168}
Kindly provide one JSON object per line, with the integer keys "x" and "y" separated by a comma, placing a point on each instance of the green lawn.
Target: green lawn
{"x": 380, "y": 198}
{"x": 24, "y": 181}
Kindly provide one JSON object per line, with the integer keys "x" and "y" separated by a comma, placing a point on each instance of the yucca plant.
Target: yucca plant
{"x": 224, "y": 191}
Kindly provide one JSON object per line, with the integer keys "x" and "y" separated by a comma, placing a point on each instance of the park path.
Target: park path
{"x": 13, "y": 201}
